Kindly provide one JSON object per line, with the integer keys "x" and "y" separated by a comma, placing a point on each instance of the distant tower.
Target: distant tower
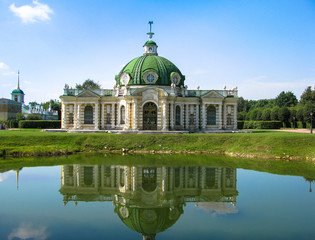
{"x": 17, "y": 94}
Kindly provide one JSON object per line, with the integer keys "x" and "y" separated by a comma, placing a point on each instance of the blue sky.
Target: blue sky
{"x": 262, "y": 47}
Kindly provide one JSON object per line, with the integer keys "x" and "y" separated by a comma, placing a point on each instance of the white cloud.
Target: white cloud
{"x": 218, "y": 207}
{"x": 4, "y": 176}
{"x": 27, "y": 231}
{"x": 3, "y": 66}
{"x": 5, "y": 70}
{"x": 31, "y": 14}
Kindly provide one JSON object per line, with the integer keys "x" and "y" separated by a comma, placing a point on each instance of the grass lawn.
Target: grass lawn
{"x": 262, "y": 144}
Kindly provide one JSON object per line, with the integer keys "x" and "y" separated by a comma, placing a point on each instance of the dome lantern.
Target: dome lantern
{"x": 150, "y": 47}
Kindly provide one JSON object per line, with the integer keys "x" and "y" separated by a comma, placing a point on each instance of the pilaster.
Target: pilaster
{"x": 235, "y": 116}
{"x": 113, "y": 116}
{"x": 220, "y": 116}
{"x": 203, "y": 116}
{"x": 172, "y": 115}
{"x": 63, "y": 122}
{"x": 197, "y": 116}
{"x": 164, "y": 116}
{"x": 75, "y": 110}
{"x": 135, "y": 115}
{"x": 96, "y": 124}
{"x": 187, "y": 116}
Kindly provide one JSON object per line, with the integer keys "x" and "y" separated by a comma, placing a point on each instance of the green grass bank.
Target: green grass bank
{"x": 259, "y": 144}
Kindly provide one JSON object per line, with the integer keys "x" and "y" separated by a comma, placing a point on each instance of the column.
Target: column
{"x": 187, "y": 116}
{"x": 127, "y": 175}
{"x": 78, "y": 116}
{"x": 134, "y": 179}
{"x": 172, "y": 116}
{"x": 63, "y": 122}
{"x": 113, "y": 116}
{"x": 96, "y": 116}
{"x": 224, "y": 115}
{"x": 164, "y": 126}
{"x": 203, "y": 116}
{"x": 235, "y": 116}
{"x": 127, "y": 116}
{"x": 118, "y": 114}
{"x": 135, "y": 115}
{"x": 182, "y": 116}
{"x": 163, "y": 179}
{"x": 197, "y": 116}
{"x": 220, "y": 116}
{"x": 102, "y": 115}
{"x": 75, "y": 115}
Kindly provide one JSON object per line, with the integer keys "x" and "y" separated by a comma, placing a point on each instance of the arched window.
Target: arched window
{"x": 88, "y": 176}
{"x": 88, "y": 115}
{"x": 70, "y": 118}
{"x": 211, "y": 115}
{"x": 177, "y": 115}
{"x": 122, "y": 177}
{"x": 122, "y": 115}
{"x": 149, "y": 179}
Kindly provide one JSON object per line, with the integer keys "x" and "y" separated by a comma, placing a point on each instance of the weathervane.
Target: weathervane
{"x": 150, "y": 34}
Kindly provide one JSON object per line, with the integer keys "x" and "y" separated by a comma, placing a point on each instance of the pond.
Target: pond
{"x": 143, "y": 199}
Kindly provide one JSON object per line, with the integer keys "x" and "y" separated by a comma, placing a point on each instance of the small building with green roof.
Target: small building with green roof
{"x": 150, "y": 94}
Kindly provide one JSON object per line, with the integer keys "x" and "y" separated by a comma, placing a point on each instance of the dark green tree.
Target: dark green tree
{"x": 20, "y": 116}
{"x": 308, "y": 96}
{"x": 274, "y": 115}
{"x": 265, "y": 116}
{"x": 241, "y": 115}
{"x": 284, "y": 114}
{"x": 88, "y": 84}
{"x": 286, "y": 99}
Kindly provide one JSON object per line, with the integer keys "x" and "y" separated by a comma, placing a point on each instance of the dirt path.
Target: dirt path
{"x": 302, "y": 130}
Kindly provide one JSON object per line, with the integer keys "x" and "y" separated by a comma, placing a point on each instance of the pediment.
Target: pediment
{"x": 213, "y": 94}
{"x": 88, "y": 93}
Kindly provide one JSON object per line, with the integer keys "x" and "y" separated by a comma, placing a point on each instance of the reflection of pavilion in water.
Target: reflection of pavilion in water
{"x": 148, "y": 199}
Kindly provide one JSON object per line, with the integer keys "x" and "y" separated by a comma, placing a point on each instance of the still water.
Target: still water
{"x": 143, "y": 201}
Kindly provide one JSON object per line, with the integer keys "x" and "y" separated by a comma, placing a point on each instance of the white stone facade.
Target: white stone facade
{"x": 163, "y": 108}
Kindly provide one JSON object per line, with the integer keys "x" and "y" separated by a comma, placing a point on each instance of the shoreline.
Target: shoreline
{"x": 263, "y": 144}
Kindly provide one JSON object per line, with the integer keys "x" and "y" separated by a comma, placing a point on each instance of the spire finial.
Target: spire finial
{"x": 150, "y": 34}
{"x": 18, "y": 85}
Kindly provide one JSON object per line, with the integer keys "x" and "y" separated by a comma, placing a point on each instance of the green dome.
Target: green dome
{"x": 148, "y": 221}
{"x": 150, "y": 43}
{"x": 162, "y": 71}
{"x": 17, "y": 91}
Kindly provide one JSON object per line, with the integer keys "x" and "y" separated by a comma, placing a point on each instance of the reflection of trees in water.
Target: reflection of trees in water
{"x": 310, "y": 180}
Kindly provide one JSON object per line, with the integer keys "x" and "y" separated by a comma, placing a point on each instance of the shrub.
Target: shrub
{"x": 40, "y": 124}
{"x": 259, "y": 124}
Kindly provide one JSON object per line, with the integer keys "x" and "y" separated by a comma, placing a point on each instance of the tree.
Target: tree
{"x": 88, "y": 84}
{"x": 286, "y": 99}
{"x": 308, "y": 96}
{"x": 275, "y": 113}
{"x": 241, "y": 115}
{"x": 34, "y": 117}
{"x": 284, "y": 114}
{"x": 265, "y": 116}
{"x": 20, "y": 116}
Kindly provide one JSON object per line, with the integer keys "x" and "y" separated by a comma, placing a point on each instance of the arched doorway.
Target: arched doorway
{"x": 150, "y": 116}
